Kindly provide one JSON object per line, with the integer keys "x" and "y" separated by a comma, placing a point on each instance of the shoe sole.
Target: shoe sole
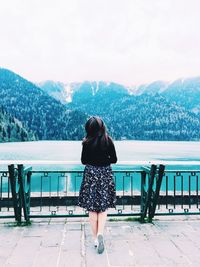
{"x": 101, "y": 244}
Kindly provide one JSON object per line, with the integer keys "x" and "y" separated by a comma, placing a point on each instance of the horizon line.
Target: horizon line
{"x": 102, "y": 80}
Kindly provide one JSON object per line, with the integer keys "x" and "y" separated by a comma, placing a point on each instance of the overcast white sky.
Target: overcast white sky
{"x": 126, "y": 41}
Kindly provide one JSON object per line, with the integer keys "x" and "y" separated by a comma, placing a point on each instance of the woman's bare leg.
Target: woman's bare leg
{"x": 93, "y": 218}
{"x": 102, "y": 216}
{"x": 100, "y": 229}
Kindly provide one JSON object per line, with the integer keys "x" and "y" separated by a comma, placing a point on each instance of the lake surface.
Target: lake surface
{"x": 71, "y": 151}
{"x": 126, "y": 150}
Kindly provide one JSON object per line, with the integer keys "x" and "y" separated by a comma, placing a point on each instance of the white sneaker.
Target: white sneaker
{"x": 100, "y": 247}
{"x": 96, "y": 243}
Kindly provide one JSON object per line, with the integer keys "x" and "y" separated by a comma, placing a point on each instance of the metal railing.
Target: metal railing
{"x": 144, "y": 192}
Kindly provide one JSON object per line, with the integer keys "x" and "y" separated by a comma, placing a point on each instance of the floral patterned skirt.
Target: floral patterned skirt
{"x": 97, "y": 192}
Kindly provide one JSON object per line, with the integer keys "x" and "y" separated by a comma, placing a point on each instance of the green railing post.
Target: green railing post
{"x": 25, "y": 205}
{"x": 155, "y": 194}
{"x": 28, "y": 198}
{"x": 143, "y": 193}
{"x": 13, "y": 178}
{"x": 149, "y": 192}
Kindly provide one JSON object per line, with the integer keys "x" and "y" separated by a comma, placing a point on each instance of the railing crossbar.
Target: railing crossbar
{"x": 176, "y": 190}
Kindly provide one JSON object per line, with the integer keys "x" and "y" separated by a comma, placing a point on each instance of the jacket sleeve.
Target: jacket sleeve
{"x": 84, "y": 156}
{"x": 112, "y": 153}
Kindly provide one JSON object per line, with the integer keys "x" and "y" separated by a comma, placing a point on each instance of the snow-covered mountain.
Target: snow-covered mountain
{"x": 58, "y": 90}
{"x": 40, "y": 113}
{"x": 65, "y": 92}
{"x": 158, "y": 111}
{"x": 184, "y": 92}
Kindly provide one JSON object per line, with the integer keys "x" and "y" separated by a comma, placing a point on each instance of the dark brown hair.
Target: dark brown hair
{"x": 96, "y": 133}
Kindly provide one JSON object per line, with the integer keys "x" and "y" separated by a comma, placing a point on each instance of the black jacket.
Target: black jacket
{"x": 98, "y": 156}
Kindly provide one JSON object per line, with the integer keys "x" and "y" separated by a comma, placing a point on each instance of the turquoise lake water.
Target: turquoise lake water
{"x": 126, "y": 150}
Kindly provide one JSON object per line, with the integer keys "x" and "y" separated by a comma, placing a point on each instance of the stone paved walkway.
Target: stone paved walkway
{"x": 167, "y": 242}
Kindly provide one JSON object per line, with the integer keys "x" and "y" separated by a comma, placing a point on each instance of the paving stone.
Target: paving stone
{"x": 74, "y": 226}
{"x": 120, "y": 253}
{"x": 24, "y": 252}
{"x": 187, "y": 248}
{"x": 164, "y": 243}
{"x": 48, "y": 256}
{"x": 72, "y": 241}
{"x": 70, "y": 258}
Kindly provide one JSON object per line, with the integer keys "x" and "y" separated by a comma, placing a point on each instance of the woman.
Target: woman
{"x": 97, "y": 192}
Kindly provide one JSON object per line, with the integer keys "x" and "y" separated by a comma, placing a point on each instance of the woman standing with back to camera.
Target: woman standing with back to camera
{"x": 97, "y": 192}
